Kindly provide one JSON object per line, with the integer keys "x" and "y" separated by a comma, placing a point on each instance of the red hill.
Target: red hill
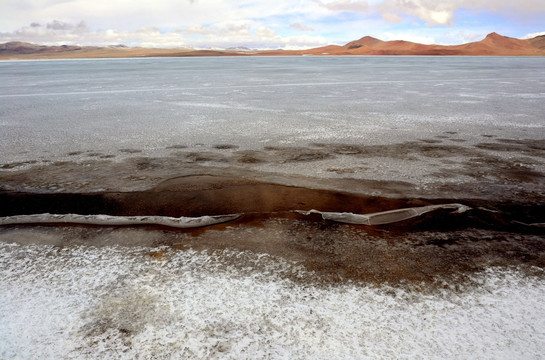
{"x": 493, "y": 44}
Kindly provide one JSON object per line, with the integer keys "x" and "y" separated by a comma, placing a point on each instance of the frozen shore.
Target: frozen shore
{"x": 497, "y": 228}
{"x": 88, "y": 302}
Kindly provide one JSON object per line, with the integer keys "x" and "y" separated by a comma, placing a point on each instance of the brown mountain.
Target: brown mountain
{"x": 22, "y": 50}
{"x": 19, "y": 47}
{"x": 538, "y": 42}
{"x": 365, "y": 42}
{"x": 494, "y": 44}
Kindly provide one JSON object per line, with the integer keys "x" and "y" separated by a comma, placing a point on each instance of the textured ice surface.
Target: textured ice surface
{"x": 384, "y": 217}
{"x": 126, "y": 303}
{"x": 179, "y": 222}
{"x": 51, "y": 108}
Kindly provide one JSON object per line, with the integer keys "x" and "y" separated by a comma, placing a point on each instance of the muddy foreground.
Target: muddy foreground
{"x": 503, "y": 228}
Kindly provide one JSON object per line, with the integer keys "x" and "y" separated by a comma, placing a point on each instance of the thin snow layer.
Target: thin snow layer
{"x": 383, "y": 217}
{"x": 127, "y": 303}
{"x": 178, "y": 222}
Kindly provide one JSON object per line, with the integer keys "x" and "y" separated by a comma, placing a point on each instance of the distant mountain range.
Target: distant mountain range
{"x": 493, "y": 45}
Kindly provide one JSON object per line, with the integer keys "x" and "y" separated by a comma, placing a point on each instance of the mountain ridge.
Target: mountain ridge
{"x": 493, "y": 44}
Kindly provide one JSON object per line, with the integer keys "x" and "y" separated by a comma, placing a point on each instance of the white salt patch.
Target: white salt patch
{"x": 85, "y": 302}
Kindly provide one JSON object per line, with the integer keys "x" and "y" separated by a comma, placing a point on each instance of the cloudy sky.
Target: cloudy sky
{"x": 264, "y": 24}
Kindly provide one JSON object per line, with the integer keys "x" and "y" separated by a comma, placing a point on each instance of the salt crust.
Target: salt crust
{"x": 122, "y": 303}
{"x": 179, "y": 222}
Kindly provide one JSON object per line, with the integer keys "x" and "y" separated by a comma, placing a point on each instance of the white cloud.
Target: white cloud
{"x": 533, "y": 35}
{"x": 236, "y": 30}
{"x": 505, "y": 5}
{"x": 407, "y": 37}
{"x": 196, "y": 29}
{"x": 301, "y": 42}
{"x": 344, "y": 5}
{"x": 392, "y": 17}
{"x": 265, "y": 32}
{"x": 456, "y": 37}
{"x": 435, "y": 12}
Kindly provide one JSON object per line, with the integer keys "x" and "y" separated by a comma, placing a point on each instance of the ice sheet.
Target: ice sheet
{"x": 85, "y": 302}
{"x": 52, "y": 108}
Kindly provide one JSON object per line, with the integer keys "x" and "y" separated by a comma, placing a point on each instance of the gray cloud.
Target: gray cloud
{"x": 301, "y": 27}
{"x": 58, "y": 25}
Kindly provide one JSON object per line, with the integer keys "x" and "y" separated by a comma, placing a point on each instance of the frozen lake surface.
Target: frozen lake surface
{"x": 52, "y": 107}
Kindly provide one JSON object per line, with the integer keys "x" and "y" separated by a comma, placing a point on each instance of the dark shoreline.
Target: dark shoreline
{"x": 201, "y": 195}
{"x": 501, "y": 180}
{"x": 440, "y": 244}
